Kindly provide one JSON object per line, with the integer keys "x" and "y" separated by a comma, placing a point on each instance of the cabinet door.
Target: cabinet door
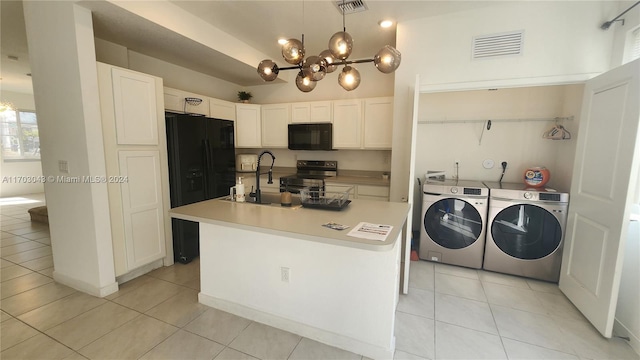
{"x": 300, "y": 112}
{"x": 220, "y": 109}
{"x": 320, "y": 111}
{"x": 311, "y": 112}
{"x": 142, "y": 207}
{"x": 134, "y": 100}
{"x": 175, "y": 100}
{"x": 275, "y": 119}
{"x": 378, "y": 123}
{"x": 247, "y": 126}
{"x": 337, "y": 188}
{"x": 372, "y": 192}
{"x": 347, "y": 124}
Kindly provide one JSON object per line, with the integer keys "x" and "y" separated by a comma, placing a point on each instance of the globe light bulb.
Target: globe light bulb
{"x": 268, "y": 70}
{"x": 304, "y": 82}
{"x": 387, "y": 59}
{"x": 349, "y": 78}
{"x": 329, "y": 60}
{"x": 293, "y": 51}
{"x": 317, "y": 67}
{"x": 341, "y": 45}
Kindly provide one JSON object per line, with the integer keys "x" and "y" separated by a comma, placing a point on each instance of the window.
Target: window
{"x": 632, "y": 50}
{"x": 19, "y": 135}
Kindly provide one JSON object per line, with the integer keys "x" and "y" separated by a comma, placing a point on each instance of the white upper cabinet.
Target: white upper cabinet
{"x": 248, "y": 126}
{"x": 175, "y": 100}
{"x": 275, "y": 119}
{"x": 378, "y": 122}
{"x": 310, "y": 112}
{"x": 347, "y": 124}
{"x": 220, "y": 109}
{"x": 134, "y": 101}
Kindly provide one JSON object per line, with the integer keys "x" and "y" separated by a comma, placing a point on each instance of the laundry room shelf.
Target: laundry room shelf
{"x": 557, "y": 119}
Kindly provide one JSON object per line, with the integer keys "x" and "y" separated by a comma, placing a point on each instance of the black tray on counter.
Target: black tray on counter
{"x": 335, "y": 205}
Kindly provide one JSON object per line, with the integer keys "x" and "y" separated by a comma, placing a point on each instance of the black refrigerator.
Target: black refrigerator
{"x": 201, "y": 167}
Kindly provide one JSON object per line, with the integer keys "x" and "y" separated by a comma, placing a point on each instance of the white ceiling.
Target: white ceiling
{"x": 256, "y": 23}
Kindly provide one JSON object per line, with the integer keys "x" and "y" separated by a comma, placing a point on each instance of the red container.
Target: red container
{"x": 536, "y": 177}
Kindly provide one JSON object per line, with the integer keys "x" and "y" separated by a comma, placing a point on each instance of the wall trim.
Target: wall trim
{"x": 140, "y": 271}
{"x": 621, "y": 330}
{"x": 323, "y": 336}
{"x": 85, "y": 287}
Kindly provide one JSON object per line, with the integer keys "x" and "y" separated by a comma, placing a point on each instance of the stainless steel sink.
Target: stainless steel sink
{"x": 272, "y": 199}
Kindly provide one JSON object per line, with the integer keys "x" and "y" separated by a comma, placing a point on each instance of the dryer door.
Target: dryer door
{"x": 453, "y": 223}
{"x": 526, "y": 231}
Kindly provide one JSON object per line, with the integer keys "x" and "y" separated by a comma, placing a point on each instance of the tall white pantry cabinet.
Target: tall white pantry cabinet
{"x": 133, "y": 126}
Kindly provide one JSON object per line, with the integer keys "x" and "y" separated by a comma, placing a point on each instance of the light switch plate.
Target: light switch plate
{"x": 63, "y": 166}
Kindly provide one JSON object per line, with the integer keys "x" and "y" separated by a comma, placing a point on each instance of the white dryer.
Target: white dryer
{"x": 526, "y": 231}
{"x": 454, "y": 217}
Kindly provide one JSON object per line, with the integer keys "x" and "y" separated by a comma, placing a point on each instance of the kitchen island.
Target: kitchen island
{"x": 281, "y": 267}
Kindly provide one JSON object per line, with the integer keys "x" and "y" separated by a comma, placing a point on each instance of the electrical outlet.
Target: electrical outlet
{"x": 285, "y": 274}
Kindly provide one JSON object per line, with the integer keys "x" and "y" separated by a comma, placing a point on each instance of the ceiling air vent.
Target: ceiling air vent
{"x": 498, "y": 45}
{"x": 350, "y": 6}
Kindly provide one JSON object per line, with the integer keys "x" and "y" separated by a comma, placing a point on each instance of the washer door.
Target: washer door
{"x": 526, "y": 231}
{"x": 453, "y": 223}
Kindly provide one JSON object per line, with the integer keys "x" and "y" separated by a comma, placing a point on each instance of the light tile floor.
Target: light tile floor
{"x": 450, "y": 313}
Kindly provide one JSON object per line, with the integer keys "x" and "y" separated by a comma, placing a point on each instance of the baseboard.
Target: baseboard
{"x": 621, "y": 330}
{"x": 313, "y": 333}
{"x": 85, "y": 287}
{"x": 139, "y": 271}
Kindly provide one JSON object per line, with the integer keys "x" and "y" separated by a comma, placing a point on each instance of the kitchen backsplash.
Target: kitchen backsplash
{"x": 369, "y": 160}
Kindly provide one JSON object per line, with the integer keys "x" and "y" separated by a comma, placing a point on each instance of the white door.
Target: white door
{"x": 604, "y": 177}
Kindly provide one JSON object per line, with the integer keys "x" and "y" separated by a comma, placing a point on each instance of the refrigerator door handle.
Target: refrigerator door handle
{"x": 210, "y": 192}
{"x": 207, "y": 165}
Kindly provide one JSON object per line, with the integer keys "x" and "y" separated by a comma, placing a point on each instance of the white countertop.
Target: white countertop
{"x": 302, "y": 223}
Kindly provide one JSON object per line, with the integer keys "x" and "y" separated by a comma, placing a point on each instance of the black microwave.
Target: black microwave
{"x": 317, "y": 136}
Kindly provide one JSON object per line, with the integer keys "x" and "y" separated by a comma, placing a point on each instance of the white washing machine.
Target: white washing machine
{"x": 453, "y": 218}
{"x": 526, "y": 231}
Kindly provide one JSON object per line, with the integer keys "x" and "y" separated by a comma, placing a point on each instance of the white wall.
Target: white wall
{"x": 519, "y": 143}
{"x": 562, "y": 43}
{"x": 373, "y": 84}
{"x": 66, "y": 91}
{"x": 33, "y": 168}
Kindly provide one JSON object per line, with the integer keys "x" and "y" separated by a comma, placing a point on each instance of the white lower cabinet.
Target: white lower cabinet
{"x": 142, "y": 207}
{"x": 373, "y": 192}
{"x": 369, "y": 192}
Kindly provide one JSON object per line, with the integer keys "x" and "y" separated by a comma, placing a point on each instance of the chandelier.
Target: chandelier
{"x": 314, "y": 68}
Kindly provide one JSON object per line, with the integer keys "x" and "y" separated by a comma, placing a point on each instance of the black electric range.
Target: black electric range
{"x": 309, "y": 173}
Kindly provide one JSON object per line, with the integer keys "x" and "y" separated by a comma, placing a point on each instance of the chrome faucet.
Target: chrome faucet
{"x": 257, "y": 194}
